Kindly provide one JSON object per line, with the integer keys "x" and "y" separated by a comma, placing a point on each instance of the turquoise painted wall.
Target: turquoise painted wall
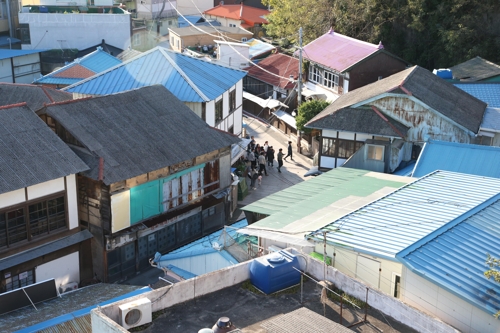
{"x": 146, "y": 199}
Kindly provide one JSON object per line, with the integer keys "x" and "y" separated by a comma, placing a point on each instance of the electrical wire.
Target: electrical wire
{"x": 224, "y": 38}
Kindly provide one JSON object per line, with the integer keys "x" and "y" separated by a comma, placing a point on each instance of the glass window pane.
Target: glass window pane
{"x": 3, "y": 230}
{"x": 57, "y": 213}
{"x": 38, "y": 218}
{"x": 16, "y": 226}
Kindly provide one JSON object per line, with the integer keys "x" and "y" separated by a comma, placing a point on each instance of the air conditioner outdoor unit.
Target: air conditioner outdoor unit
{"x": 135, "y": 313}
{"x": 68, "y": 287}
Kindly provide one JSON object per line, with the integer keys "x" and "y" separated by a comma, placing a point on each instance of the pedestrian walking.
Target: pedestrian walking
{"x": 289, "y": 151}
{"x": 280, "y": 159}
{"x": 252, "y": 159}
{"x": 262, "y": 163}
{"x": 251, "y": 145}
{"x": 270, "y": 156}
{"x": 259, "y": 179}
{"x": 255, "y": 176}
{"x": 266, "y": 146}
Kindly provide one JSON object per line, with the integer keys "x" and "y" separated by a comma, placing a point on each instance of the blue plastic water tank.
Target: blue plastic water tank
{"x": 444, "y": 73}
{"x": 275, "y": 272}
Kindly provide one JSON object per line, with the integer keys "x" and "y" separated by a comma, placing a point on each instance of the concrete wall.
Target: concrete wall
{"x": 194, "y": 7}
{"x": 78, "y": 31}
{"x": 388, "y": 305}
{"x": 436, "y": 301}
{"x": 181, "y": 292}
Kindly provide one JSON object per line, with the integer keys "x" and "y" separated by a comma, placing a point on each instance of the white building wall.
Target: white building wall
{"x": 72, "y": 201}
{"x": 225, "y": 22}
{"x": 12, "y": 198}
{"x": 64, "y": 270}
{"x": 355, "y": 264}
{"x": 79, "y": 31}
{"x": 434, "y": 300}
{"x": 26, "y": 68}
{"x": 194, "y": 7}
{"x": 233, "y": 55}
{"x": 6, "y": 71}
{"x": 46, "y": 188}
{"x": 210, "y": 113}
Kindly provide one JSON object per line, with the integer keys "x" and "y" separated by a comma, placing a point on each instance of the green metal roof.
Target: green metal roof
{"x": 318, "y": 201}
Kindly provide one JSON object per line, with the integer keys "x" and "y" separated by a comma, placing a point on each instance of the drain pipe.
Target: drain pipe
{"x": 9, "y": 18}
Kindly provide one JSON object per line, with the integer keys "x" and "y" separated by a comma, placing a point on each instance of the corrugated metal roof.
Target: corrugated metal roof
{"x": 189, "y": 79}
{"x": 458, "y": 157}
{"x": 487, "y": 92}
{"x": 316, "y": 202}
{"x": 258, "y": 47}
{"x": 77, "y": 325}
{"x": 92, "y": 63}
{"x": 337, "y": 51}
{"x": 455, "y": 259}
{"x": 491, "y": 120}
{"x": 5, "y": 54}
{"x": 394, "y": 222}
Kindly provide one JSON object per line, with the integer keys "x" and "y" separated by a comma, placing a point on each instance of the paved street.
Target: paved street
{"x": 292, "y": 172}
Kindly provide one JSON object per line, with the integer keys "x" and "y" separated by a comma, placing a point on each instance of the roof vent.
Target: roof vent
{"x": 331, "y": 31}
{"x": 223, "y": 325}
{"x": 380, "y": 45}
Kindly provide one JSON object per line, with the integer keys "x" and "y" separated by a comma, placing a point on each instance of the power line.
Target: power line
{"x": 224, "y": 39}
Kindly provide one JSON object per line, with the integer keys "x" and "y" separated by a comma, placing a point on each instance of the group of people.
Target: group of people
{"x": 263, "y": 155}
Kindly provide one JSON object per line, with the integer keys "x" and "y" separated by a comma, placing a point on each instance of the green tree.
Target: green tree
{"x": 308, "y": 111}
{"x": 493, "y": 263}
{"x": 287, "y": 16}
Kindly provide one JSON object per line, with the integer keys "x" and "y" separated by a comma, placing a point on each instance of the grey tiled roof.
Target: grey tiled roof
{"x": 35, "y": 96}
{"x": 433, "y": 91}
{"x": 475, "y": 69}
{"x": 31, "y": 153}
{"x": 362, "y": 121}
{"x": 136, "y": 132}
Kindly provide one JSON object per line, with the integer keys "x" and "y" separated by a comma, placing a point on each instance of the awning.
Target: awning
{"x": 265, "y": 103}
{"x": 238, "y": 149}
{"x": 286, "y": 117}
{"x": 308, "y": 93}
{"x": 44, "y": 249}
{"x": 299, "y": 240}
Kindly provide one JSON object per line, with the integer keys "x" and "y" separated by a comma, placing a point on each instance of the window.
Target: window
{"x": 375, "y": 152}
{"x": 244, "y": 39}
{"x": 315, "y": 74}
{"x": 396, "y": 285}
{"x": 331, "y": 80}
{"x": 329, "y": 147}
{"x": 204, "y": 111}
{"x": 340, "y": 148}
{"x": 17, "y": 281}
{"x": 232, "y": 25}
{"x": 36, "y": 219}
{"x": 172, "y": 41}
{"x": 24, "y": 30}
{"x": 218, "y": 111}
{"x": 136, "y": 39}
{"x": 3, "y": 10}
{"x": 232, "y": 100}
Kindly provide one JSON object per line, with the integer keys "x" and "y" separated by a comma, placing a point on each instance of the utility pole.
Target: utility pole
{"x": 299, "y": 83}
{"x": 299, "y": 89}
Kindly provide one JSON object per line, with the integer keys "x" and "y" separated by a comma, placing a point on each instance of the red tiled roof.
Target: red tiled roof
{"x": 75, "y": 72}
{"x": 280, "y": 64}
{"x": 250, "y": 15}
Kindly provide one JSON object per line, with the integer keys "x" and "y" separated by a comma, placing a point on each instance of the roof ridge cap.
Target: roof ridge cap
{"x": 184, "y": 75}
{"x": 13, "y": 105}
{"x": 47, "y": 94}
{"x": 69, "y": 101}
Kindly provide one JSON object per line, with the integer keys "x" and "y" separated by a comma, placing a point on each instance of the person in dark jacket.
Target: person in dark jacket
{"x": 270, "y": 156}
{"x": 289, "y": 151}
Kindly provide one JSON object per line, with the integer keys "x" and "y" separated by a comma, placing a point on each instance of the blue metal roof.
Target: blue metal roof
{"x": 9, "y": 41}
{"x": 454, "y": 259}
{"x": 188, "y": 20}
{"x": 458, "y": 157}
{"x": 5, "y": 54}
{"x": 97, "y": 61}
{"x": 189, "y": 79}
{"x": 491, "y": 120}
{"x": 487, "y": 92}
{"x": 394, "y": 222}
